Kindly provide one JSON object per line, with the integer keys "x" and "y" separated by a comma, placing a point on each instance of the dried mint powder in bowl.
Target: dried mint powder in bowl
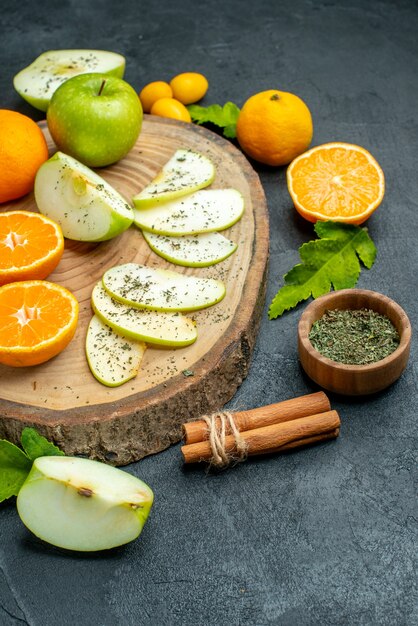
{"x": 354, "y": 336}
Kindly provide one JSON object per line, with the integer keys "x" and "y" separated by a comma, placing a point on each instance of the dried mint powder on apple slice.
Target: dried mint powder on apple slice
{"x": 201, "y": 250}
{"x": 204, "y": 211}
{"x": 186, "y": 172}
{"x": 154, "y": 327}
{"x": 113, "y": 358}
{"x": 161, "y": 290}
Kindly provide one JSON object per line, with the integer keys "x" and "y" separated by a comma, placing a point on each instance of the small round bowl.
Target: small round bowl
{"x": 354, "y": 380}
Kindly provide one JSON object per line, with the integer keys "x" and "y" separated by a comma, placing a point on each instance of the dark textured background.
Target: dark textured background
{"x": 324, "y": 536}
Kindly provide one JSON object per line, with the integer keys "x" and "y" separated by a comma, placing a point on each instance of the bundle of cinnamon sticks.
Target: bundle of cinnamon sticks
{"x": 277, "y": 427}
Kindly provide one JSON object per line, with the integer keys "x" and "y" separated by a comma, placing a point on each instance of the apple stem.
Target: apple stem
{"x": 101, "y": 87}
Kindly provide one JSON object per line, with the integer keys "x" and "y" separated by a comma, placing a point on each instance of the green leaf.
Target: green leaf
{"x": 225, "y": 117}
{"x": 330, "y": 261}
{"x": 35, "y": 445}
{"x": 14, "y": 468}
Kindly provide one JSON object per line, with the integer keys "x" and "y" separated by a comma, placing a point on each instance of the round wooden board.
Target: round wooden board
{"x": 118, "y": 425}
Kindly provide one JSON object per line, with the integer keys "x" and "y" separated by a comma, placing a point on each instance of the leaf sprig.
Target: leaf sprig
{"x": 15, "y": 464}
{"x": 225, "y": 117}
{"x": 333, "y": 260}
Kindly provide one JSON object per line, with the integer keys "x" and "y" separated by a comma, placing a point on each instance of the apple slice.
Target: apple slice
{"x": 185, "y": 172}
{"x": 191, "y": 250}
{"x": 205, "y": 211}
{"x": 162, "y": 329}
{"x": 85, "y": 206}
{"x": 113, "y": 359}
{"x": 83, "y": 505}
{"x": 37, "y": 82}
{"x": 161, "y": 290}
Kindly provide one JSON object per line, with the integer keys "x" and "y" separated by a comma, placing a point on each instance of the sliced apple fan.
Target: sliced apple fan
{"x": 175, "y": 204}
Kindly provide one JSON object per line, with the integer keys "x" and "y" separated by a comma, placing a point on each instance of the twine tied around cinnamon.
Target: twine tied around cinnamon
{"x": 221, "y": 458}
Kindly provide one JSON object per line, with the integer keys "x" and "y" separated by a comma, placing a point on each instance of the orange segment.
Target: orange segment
{"x": 31, "y": 246}
{"x": 38, "y": 319}
{"x": 336, "y": 181}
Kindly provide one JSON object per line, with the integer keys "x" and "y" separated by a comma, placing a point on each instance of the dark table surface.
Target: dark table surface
{"x": 327, "y": 535}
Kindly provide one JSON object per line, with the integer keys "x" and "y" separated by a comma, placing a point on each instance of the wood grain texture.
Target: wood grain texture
{"x": 119, "y": 425}
{"x": 354, "y": 380}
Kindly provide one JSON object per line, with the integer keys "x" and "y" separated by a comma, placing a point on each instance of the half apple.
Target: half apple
{"x": 37, "y": 82}
{"x": 83, "y": 505}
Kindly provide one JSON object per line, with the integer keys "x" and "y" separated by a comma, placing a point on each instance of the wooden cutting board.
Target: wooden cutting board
{"x": 118, "y": 425}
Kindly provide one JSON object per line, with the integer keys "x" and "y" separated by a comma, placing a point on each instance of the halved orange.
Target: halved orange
{"x": 31, "y": 246}
{"x": 336, "y": 181}
{"x": 38, "y": 319}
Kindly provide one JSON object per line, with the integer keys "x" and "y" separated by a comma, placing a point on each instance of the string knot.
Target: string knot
{"x": 218, "y": 424}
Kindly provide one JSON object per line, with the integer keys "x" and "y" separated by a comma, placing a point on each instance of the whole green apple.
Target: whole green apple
{"x": 96, "y": 118}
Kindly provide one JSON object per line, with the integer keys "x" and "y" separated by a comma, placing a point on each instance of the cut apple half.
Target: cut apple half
{"x": 113, "y": 359}
{"x": 186, "y": 172}
{"x": 85, "y": 206}
{"x": 161, "y": 329}
{"x": 83, "y": 505}
{"x": 161, "y": 290}
{"x": 205, "y": 211}
{"x": 200, "y": 250}
{"x": 37, "y": 82}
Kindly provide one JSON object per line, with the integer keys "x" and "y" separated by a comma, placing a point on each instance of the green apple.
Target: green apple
{"x": 85, "y": 206}
{"x": 113, "y": 359}
{"x": 161, "y": 329}
{"x": 205, "y": 211}
{"x": 83, "y": 505}
{"x": 95, "y": 118}
{"x": 185, "y": 172}
{"x": 37, "y": 82}
{"x": 200, "y": 250}
{"x": 161, "y": 290}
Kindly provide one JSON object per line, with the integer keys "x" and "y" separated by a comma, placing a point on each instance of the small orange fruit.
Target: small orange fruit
{"x": 31, "y": 246}
{"x": 170, "y": 107}
{"x": 189, "y": 87}
{"x": 274, "y": 127}
{"x": 153, "y": 92}
{"x": 336, "y": 181}
{"x": 38, "y": 319}
{"x": 23, "y": 149}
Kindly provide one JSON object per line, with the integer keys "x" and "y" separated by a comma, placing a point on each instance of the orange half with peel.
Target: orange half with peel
{"x": 31, "y": 246}
{"x": 38, "y": 319}
{"x": 336, "y": 181}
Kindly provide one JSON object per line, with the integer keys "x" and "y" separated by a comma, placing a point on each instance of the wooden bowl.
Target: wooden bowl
{"x": 354, "y": 380}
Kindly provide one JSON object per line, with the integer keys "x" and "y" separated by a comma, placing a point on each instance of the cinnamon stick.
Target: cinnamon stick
{"x": 274, "y": 437}
{"x": 310, "y": 404}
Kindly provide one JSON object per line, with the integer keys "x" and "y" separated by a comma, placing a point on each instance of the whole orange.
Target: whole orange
{"x": 23, "y": 149}
{"x": 274, "y": 127}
